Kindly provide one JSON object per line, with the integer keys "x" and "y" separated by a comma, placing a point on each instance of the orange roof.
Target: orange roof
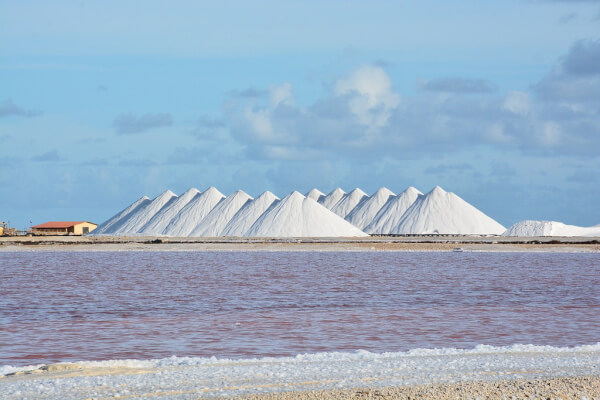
{"x": 59, "y": 224}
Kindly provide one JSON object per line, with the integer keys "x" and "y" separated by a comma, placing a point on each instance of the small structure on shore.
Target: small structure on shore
{"x": 64, "y": 228}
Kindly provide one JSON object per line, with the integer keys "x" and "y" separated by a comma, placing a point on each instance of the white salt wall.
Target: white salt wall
{"x": 363, "y": 214}
{"x": 161, "y": 219}
{"x": 316, "y": 195}
{"x": 348, "y": 201}
{"x": 332, "y": 198}
{"x": 550, "y": 228}
{"x": 136, "y": 220}
{"x": 298, "y": 216}
{"x": 216, "y": 220}
{"x": 193, "y": 213}
{"x": 248, "y": 214}
{"x": 388, "y": 217}
{"x": 115, "y": 221}
{"x": 446, "y": 213}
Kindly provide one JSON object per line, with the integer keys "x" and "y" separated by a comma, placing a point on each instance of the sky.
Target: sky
{"x": 104, "y": 102}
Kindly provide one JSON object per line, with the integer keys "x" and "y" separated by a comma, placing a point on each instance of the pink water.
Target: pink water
{"x": 67, "y": 306}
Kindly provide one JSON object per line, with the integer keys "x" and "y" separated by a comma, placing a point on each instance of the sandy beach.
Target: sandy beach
{"x": 577, "y": 387}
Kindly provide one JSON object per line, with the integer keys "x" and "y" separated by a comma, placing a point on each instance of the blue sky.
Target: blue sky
{"x": 103, "y": 102}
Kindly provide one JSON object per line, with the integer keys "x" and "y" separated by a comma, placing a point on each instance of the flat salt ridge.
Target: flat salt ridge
{"x": 190, "y": 377}
{"x": 550, "y": 228}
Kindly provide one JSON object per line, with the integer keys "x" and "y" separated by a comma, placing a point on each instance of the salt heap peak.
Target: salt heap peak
{"x": 216, "y": 220}
{"x": 248, "y": 214}
{"x": 363, "y": 214}
{"x": 298, "y": 216}
{"x": 136, "y": 220}
{"x": 316, "y": 195}
{"x": 193, "y": 213}
{"x": 332, "y": 198}
{"x": 115, "y": 221}
{"x": 161, "y": 219}
{"x": 347, "y": 203}
{"x": 445, "y": 213}
{"x": 390, "y": 214}
{"x": 550, "y": 228}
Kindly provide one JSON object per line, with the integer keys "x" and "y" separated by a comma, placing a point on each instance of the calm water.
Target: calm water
{"x": 67, "y": 306}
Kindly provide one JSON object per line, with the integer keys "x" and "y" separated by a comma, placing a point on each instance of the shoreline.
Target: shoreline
{"x": 448, "y": 243}
{"x": 567, "y": 387}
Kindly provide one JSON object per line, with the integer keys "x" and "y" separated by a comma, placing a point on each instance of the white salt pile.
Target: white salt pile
{"x": 441, "y": 212}
{"x": 248, "y": 214}
{"x": 332, "y": 198}
{"x": 161, "y": 219}
{"x": 316, "y": 195}
{"x": 193, "y": 213}
{"x": 388, "y": 217}
{"x": 210, "y": 213}
{"x": 115, "y": 221}
{"x": 550, "y": 228}
{"x": 298, "y": 216}
{"x": 348, "y": 201}
{"x": 137, "y": 219}
{"x": 216, "y": 220}
{"x": 363, "y": 214}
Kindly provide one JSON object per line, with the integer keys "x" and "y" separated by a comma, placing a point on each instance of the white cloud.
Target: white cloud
{"x": 281, "y": 94}
{"x": 517, "y": 102}
{"x": 371, "y": 97}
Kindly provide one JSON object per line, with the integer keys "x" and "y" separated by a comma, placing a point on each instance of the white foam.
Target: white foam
{"x": 388, "y": 217}
{"x": 161, "y": 219}
{"x": 193, "y": 213}
{"x": 216, "y": 220}
{"x": 348, "y": 201}
{"x": 193, "y": 377}
{"x": 550, "y": 228}
{"x": 363, "y": 214}
{"x": 248, "y": 214}
{"x": 298, "y": 216}
{"x": 445, "y": 213}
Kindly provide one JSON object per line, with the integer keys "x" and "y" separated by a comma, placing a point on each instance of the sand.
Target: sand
{"x": 448, "y": 243}
{"x": 578, "y": 387}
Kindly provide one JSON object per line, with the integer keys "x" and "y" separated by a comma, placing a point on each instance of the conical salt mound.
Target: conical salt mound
{"x": 332, "y": 198}
{"x": 136, "y": 220}
{"x": 161, "y": 219}
{"x": 347, "y": 203}
{"x": 115, "y": 221}
{"x": 216, "y": 220}
{"x": 297, "y": 216}
{"x": 316, "y": 195}
{"x": 190, "y": 216}
{"x": 248, "y": 214}
{"x": 363, "y": 214}
{"x": 550, "y": 228}
{"x": 390, "y": 214}
{"x": 445, "y": 213}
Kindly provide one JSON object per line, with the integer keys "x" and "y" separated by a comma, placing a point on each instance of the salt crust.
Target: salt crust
{"x": 193, "y": 377}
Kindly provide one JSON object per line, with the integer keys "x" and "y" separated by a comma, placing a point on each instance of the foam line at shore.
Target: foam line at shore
{"x": 191, "y": 377}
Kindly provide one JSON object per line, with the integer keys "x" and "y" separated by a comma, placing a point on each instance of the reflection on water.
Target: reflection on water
{"x": 66, "y": 306}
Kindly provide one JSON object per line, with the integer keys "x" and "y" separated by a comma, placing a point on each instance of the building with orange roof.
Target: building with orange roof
{"x": 64, "y": 228}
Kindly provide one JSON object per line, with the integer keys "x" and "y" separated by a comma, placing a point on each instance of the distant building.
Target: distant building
{"x": 64, "y": 228}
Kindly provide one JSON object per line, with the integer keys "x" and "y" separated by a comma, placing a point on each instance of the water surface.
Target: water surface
{"x": 68, "y": 306}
